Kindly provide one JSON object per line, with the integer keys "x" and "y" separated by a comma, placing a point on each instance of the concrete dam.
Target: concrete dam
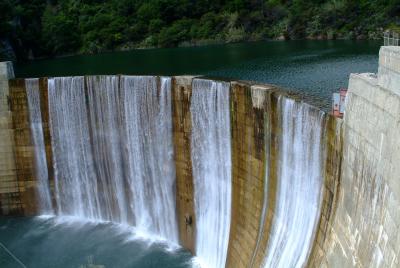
{"x": 240, "y": 174}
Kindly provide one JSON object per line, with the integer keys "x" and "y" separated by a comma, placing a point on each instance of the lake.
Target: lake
{"x": 315, "y": 69}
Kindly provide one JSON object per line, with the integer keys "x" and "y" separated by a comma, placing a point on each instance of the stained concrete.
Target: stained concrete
{"x": 364, "y": 230}
{"x": 182, "y": 127}
{"x": 23, "y": 146}
{"x": 248, "y": 172}
{"x": 10, "y": 200}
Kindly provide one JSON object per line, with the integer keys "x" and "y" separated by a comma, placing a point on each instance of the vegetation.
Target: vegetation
{"x": 41, "y": 28}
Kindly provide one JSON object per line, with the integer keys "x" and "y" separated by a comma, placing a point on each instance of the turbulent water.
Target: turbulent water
{"x": 113, "y": 151}
{"x": 211, "y": 160}
{"x": 63, "y": 242}
{"x": 35, "y": 119}
{"x": 300, "y": 181}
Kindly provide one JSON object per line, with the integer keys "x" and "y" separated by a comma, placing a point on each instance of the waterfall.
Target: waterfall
{"x": 105, "y": 118}
{"x": 300, "y": 180}
{"x": 147, "y": 120}
{"x": 113, "y": 151}
{"x": 41, "y": 171}
{"x": 211, "y": 161}
{"x": 76, "y": 188}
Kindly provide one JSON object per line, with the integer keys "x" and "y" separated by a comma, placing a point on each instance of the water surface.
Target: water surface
{"x": 313, "y": 68}
{"x": 65, "y": 242}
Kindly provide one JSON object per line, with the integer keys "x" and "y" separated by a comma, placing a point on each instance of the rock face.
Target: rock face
{"x": 357, "y": 208}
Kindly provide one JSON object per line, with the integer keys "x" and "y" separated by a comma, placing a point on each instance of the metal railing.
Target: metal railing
{"x": 391, "y": 38}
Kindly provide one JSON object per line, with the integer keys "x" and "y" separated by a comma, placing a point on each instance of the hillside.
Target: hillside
{"x": 44, "y": 28}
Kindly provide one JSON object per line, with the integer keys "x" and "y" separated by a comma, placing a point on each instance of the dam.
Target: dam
{"x": 239, "y": 174}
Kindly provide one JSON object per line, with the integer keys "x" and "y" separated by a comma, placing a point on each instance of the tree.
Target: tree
{"x": 60, "y": 31}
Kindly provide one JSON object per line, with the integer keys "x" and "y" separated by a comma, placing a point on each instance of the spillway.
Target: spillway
{"x": 35, "y": 119}
{"x": 211, "y": 160}
{"x": 233, "y": 172}
{"x": 148, "y": 152}
{"x": 300, "y": 180}
{"x": 113, "y": 151}
{"x": 76, "y": 187}
{"x": 105, "y": 122}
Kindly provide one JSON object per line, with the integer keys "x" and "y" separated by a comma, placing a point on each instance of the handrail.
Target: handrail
{"x": 391, "y": 38}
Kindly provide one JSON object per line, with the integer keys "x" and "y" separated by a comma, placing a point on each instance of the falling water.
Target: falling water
{"x": 35, "y": 118}
{"x": 103, "y": 103}
{"x": 300, "y": 181}
{"x": 148, "y": 151}
{"x": 211, "y": 160}
{"x": 113, "y": 151}
{"x": 76, "y": 188}
{"x": 149, "y": 154}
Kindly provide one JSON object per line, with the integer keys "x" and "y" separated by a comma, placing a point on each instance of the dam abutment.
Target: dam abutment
{"x": 364, "y": 231}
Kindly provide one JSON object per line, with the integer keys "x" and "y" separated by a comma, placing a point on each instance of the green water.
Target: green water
{"x": 313, "y": 68}
{"x": 38, "y": 242}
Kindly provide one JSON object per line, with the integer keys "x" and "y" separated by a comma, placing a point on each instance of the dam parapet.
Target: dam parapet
{"x": 235, "y": 151}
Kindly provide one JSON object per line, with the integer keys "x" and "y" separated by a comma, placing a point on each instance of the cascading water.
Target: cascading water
{"x": 113, "y": 151}
{"x": 148, "y": 154}
{"x": 211, "y": 161}
{"x": 300, "y": 180}
{"x": 113, "y": 161}
{"x": 76, "y": 188}
{"x": 105, "y": 122}
{"x": 35, "y": 118}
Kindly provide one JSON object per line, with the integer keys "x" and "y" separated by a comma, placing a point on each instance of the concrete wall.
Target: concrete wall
{"x": 10, "y": 200}
{"x": 181, "y": 96}
{"x": 389, "y": 69}
{"x": 23, "y": 146}
{"x": 248, "y": 172}
{"x": 331, "y": 188}
{"x": 364, "y": 231}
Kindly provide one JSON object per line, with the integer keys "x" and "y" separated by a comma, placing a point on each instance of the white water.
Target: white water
{"x": 113, "y": 151}
{"x": 76, "y": 187}
{"x": 41, "y": 171}
{"x": 300, "y": 180}
{"x": 211, "y": 161}
{"x": 148, "y": 151}
{"x": 104, "y": 114}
